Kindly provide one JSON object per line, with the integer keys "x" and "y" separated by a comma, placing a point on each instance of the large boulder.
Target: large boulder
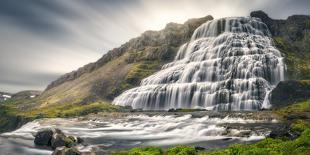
{"x": 284, "y": 132}
{"x": 290, "y": 92}
{"x": 55, "y": 138}
{"x": 44, "y": 137}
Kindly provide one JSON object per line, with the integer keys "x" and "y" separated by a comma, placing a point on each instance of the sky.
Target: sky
{"x": 42, "y": 39}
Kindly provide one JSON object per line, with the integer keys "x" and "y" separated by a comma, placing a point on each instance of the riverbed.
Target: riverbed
{"x": 121, "y": 131}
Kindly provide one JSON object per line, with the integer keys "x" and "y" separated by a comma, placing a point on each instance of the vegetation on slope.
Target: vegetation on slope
{"x": 137, "y": 72}
{"x": 13, "y": 116}
{"x": 121, "y": 68}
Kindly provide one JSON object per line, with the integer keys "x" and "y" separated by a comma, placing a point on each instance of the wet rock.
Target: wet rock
{"x": 199, "y": 148}
{"x": 283, "y": 132}
{"x": 66, "y": 151}
{"x": 44, "y": 137}
{"x": 79, "y": 140}
{"x": 56, "y": 138}
{"x": 226, "y": 139}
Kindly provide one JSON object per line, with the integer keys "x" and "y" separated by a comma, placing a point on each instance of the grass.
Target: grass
{"x": 12, "y": 116}
{"x": 299, "y": 107}
{"x": 137, "y": 72}
{"x": 154, "y": 150}
{"x": 71, "y": 110}
{"x": 297, "y": 60}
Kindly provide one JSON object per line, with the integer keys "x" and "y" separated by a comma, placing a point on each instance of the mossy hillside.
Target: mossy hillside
{"x": 121, "y": 68}
{"x": 298, "y": 108}
{"x": 136, "y": 73}
{"x": 12, "y": 116}
{"x": 297, "y": 61}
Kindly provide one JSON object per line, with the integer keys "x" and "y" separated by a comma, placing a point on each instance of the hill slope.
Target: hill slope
{"x": 121, "y": 68}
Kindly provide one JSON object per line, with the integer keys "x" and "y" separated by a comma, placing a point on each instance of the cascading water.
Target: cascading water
{"x": 229, "y": 64}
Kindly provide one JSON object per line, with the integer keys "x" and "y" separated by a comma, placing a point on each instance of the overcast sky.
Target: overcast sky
{"x": 43, "y": 39}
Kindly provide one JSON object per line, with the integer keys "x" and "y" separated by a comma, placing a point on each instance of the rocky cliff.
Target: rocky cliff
{"x": 292, "y": 37}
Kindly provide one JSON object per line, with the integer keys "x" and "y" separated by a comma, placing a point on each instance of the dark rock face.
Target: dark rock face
{"x": 289, "y": 92}
{"x": 44, "y": 137}
{"x": 284, "y": 132}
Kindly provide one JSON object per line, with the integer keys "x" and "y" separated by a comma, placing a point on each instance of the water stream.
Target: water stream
{"x": 124, "y": 132}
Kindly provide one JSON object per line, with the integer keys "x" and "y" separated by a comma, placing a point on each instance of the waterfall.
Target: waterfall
{"x": 229, "y": 64}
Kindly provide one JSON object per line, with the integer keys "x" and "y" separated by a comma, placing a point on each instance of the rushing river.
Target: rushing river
{"x": 119, "y": 132}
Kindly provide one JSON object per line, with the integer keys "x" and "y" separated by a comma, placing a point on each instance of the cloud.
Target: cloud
{"x": 40, "y": 40}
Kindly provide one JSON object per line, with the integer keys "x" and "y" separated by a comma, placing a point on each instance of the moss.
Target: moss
{"x": 297, "y": 60}
{"x": 70, "y": 110}
{"x": 69, "y": 141}
{"x": 296, "y": 108}
{"x": 300, "y": 125}
{"x": 148, "y": 150}
{"x": 137, "y": 72}
{"x": 181, "y": 150}
{"x": 12, "y": 116}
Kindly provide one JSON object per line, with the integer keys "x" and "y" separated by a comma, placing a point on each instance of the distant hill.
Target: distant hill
{"x": 4, "y": 96}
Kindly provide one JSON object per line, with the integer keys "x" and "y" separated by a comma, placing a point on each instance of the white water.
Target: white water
{"x": 229, "y": 64}
{"x": 136, "y": 130}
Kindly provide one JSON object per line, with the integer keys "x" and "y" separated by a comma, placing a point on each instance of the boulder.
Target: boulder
{"x": 290, "y": 92}
{"x": 44, "y": 137}
{"x": 284, "y": 132}
{"x": 56, "y": 138}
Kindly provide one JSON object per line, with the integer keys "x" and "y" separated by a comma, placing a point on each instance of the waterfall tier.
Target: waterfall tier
{"x": 229, "y": 64}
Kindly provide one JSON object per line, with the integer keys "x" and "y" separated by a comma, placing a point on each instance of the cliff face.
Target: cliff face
{"x": 121, "y": 68}
{"x": 292, "y": 37}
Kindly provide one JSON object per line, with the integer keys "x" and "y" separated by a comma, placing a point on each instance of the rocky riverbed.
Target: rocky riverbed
{"x": 107, "y": 132}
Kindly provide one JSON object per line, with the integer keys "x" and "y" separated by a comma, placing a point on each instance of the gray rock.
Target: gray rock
{"x": 56, "y": 138}
{"x": 44, "y": 137}
{"x": 290, "y": 92}
{"x": 66, "y": 151}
